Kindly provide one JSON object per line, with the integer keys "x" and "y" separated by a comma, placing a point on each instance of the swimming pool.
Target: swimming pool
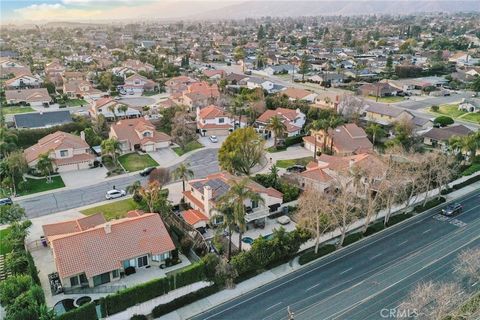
{"x": 63, "y": 306}
{"x": 247, "y": 240}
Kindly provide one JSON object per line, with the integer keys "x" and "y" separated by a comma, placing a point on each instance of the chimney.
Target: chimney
{"x": 82, "y": 135}
{"x": 108, "y": 227}
{"x": 207, "y": 195}
{"x": 351, "y": 163}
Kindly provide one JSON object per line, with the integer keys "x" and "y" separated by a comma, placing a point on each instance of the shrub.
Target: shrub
{"x": 435, "y": 108}
{"x": 293, "y": 140}
{"x": 443, "y": 121}
{"x": 185, "y": 245}
{"x": 430, "y": 204}
{"x": 85, "y": 312}
{"x": 138, "y": 317}
{"x": 398, "y": 218}
{"x": 310, "y": 254}
{"x": 374, "y": 228}
{"x": 290, "y": 192}
{"x": 471, "y": 170}
{"x": 32, "y": 269}
{"x": 351, "y": 238}
{"x": 182, "y": 301}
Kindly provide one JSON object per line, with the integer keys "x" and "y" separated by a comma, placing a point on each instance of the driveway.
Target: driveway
{"x": 83, "y": 178}
{"x": 137, "y": 101}
{"x": 165, "y": 157}
{"x": 209, "y": 144}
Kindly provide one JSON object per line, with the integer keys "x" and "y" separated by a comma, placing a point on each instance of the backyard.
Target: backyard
{"x": 15, "y": 110}
{"x": 292, "y": 162}
{"x": 451, "y": 110}
{"x": 39, "y": 185}
{"x": 114, "y": 210}
{"x": 189, "y": 147}
{"x": 134, "y": 162}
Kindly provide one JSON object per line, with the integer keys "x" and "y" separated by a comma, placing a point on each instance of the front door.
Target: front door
{"x": 101, "y": 279}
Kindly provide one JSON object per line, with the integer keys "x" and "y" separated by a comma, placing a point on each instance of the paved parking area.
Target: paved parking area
{"x": 85, "y": 177}
{"x": 209, "y": 144}
{"x": 137, "y": 101}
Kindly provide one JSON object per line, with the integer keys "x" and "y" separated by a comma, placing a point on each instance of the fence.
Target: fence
{"x": 100, "y": 289}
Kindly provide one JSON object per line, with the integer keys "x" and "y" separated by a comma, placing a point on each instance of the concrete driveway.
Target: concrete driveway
{"x": 85, "y": 177}
{"x": 165, "y": 157}
{"x": 209, "y": 144}
{"x": 137, "y": 101}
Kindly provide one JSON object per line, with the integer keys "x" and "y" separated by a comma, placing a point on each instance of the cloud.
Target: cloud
{"x": 93, "y": 2}
{"x": 46, "y": 11}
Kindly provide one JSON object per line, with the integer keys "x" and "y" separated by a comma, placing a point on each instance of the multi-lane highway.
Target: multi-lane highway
{"x": 367, "y": 277}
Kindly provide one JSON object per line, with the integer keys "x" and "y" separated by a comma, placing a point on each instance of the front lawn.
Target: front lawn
{"x": 114, "y": 210}
{"x": 292, "y": 162}
{"x": 15, "y": 110}
{"x": 134, "y": 162}
{"x": 391, "y": 99}
{"x": 39, "y": 185}
{"x": 76, "y": 102}
{"x": 472, "y": 116}
{"x": 452, "y": 111}
{"x": 4, "y": 248}
{"x": 189, "y": 147}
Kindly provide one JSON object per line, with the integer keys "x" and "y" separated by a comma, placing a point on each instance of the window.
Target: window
{"x": 254, "y": 204}
{"x": 63, "y": 153}
{"x": 155, "y": 257}
{"x": 147, "y": 134}
{"x": 142, "y": 261}
{"x": 115, "y": 274}
{"x": 74, "y": 281}
{"x": 83, "y": 278}
{"x": 221, "y": 120}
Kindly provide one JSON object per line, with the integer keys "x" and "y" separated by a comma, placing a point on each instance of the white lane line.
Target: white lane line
{"x": 428, "y": 230}
{"x": 345, "y": 271}
{"x": 313, "y": 287}
{"x": 276, "y": 304}
{"x": 402, "y": 243}
{"x": 375, "y": 256}
{"x": 473, "y": 285}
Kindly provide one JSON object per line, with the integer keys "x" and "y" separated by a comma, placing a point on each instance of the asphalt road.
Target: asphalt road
{"x": 361, "y": 280}
{"x": 203, "y": 163}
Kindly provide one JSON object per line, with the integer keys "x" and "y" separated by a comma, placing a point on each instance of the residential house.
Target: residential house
{"x": 23, "y": 81}
{"x": 138, "y": 134}
{"x": 81, "y": 89}
{"x": 280, "y": 69}
{"x": 469, "y": 105}
{"x": 214, "y": 74}
{"x": 91, "y": 251}
{"x": 213, "y": 120}
{"x": 36, "y": 120}
{"x": 137, "y": 65}
{"x": 104, "y": 106}
{"x": 346, "y": 139}
{"x": 294, "y": 120}
{"x": 236, "y": 79}
{"x": 68, "y": 152}
{"x": 178, "y": 84}
{"x": 385, "y": 114}
{"x": 253, "y": 83}
{"x": 296, "y": 94}
{"x": 34, "y": 97}
{"x": 438, "y": 137}
{"x": 195, "y": 218}
{"x": 122, "y": 71}
{"x": 54, "y": 71}
{"x": 138, "y": 84}
{"x": 203, "y": 195}
{"x": 378, "y": 89}
{"x": 199, "y": 95}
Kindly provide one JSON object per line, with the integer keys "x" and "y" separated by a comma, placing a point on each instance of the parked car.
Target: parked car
{"x": 5, "y": 202}
{"x": 117, "y": 98}
{"x": 113, "y": 194}
{"x": 452, "y": 209}
{"x": 145, "y": 172}
{"x": 296, "y": 168}
{"x": 213, "y": 139}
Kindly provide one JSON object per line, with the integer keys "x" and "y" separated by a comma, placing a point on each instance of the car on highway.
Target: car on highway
{"x": 452, "y": 209}
{"x": 114, "y": 193}
{"x": 5, "y": 201}
{"x": 145, "y": 172}
{"x": 213, "y": 139}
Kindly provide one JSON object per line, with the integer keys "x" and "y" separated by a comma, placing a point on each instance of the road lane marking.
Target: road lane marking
{"x": 313, "y": 287}
{"x": 402, "y": 243}
{"x": 345, "y": 271}
{"x": 276, "y": 304}
{"x": 473, "y": 285}
{"x": 375, "y": 256}
{"x": 428, "y": 230}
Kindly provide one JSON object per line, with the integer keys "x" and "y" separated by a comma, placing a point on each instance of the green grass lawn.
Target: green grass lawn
{"x": 4, "y": 249}
{"x": 76, "y": 102}
{"x": 40, "y": 185}
{"x": 114, "y": 210}
{"x": 391, "y": 99}
{"x": 452, "y": 111}
{"x": 473, "y": 117}
{"x": 15, "y": 110}
{"x": 189, "y": 147}
{"x": 134, "y": 162}
{"x": 292, "y": 162}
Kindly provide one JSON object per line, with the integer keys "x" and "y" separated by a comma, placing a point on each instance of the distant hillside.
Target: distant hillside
{"x": 255, "y": 9}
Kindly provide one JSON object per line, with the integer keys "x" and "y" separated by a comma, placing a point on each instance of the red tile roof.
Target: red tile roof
{"x": 212, "y": 112}
{"x": 285, "y": 113}
{"x": 192, "y": 216}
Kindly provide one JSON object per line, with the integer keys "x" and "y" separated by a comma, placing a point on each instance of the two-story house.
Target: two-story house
{"x": 68, "y": 152}
{"x": 138, "y": 84}
{"x": 90, "y": 251}
{"x": 294, "y": 120}
{"x": 23, "y": 81}
{"x": 203, "y": 195}
{"x": 112, "y": 109}
{"x": 138, "y": 134}
{"x": 80, "y": 89}
{"x": 213, "y": 120}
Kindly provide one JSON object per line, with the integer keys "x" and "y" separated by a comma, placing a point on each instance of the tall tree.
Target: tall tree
{"x": 12, "y": 213}
{"x": 305, "y": 66}
{"x": 17, "y": 166}
{"x": 278, "y": 128}
{"x": 375, "y": 132}
{"x": 183, "y": 172}
{"x": 182, "y": 130}
{"x": 241, "y": 151}
{"x": 45, "y": 166}
{"x": 227, "y": 215}
{"x": 111, "y": 147}
{"x": 239, "y": 54}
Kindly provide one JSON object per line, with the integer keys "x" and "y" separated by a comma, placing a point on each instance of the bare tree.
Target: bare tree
{"x": 346, "y": 210}
{"x": 315, "y": 214}
{"x": 468, "y": 264}
{"x": 351, "y": 108}
{"x": 432, "y": 301}
{"x": 160, "y": 175}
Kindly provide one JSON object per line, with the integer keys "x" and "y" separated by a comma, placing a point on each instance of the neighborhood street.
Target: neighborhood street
{"x": 369, "y": 278}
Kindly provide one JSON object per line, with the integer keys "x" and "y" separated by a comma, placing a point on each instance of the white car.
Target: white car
{"x": 113, "y": 194}
{"x": 213, "y": 139}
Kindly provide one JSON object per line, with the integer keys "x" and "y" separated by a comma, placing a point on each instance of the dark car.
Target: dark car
{"x": 452, "y": 209}
{"x": 6, "y": 201}
{"x": 145, "y": 172}
{"x": 296, "y": 168}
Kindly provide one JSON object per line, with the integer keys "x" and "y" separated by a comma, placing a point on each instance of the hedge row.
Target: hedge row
{"x": 469, "y": 308}
{"x": 293, "y": 140}
{"x": 430, "y": 204}
{"x": 129, "y": 297}
{"x": 310, "y": 254}
{"x": 32, "y": 269}
{"x": 182, "y": 301}
{"x": 85, "y": 312}
{"x": 461, "y": 185}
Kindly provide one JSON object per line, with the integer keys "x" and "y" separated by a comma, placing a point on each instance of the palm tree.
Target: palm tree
{"x": 110, "y": 147}
{"x": 278, "y": 128}
{"x": 183, "y": 172}
{"x": 111, "y": 108}
{"x": 323, "y": 125}
{"x": 228, "y": 222}
{"x": 134, "y": 189}
{"x": 376, "y": 131}
{"x": 236, "y": 197}
{"x": 45, "y": 166}
{"x": 466, "y": 145}
{"x": 123, "y": 109}
{"x": 333, "y": 123}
